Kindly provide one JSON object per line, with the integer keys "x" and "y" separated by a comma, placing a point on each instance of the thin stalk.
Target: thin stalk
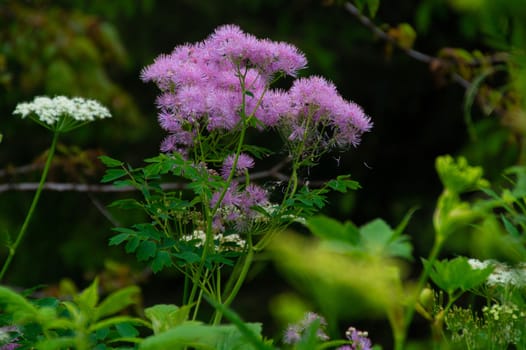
{"x": 23, "y": 229}
{"x": 400, "y": 337}
{"x": 237, "y": 286}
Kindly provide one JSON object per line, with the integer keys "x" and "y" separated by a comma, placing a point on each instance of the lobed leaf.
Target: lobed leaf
{"x": 110, "y": 162}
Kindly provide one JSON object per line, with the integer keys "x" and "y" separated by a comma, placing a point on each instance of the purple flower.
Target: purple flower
{"x": 236, "y": 208}
{"x": 274, "y": 106}
{"x": 10, "y": 346}
{"x": 244, "y": 162}
{"x": 267, "y": 56}
{"x": 294, "y": 332}
{"x": 360, "y": 340}
{"x": 316, "y": 105}
{"x": 207, "y": 84}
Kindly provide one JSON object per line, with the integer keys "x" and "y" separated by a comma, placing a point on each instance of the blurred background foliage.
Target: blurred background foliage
{"x": 468, "y": 99}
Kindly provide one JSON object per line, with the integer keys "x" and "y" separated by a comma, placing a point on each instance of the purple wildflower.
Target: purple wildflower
{"x": 316, "y": 105}
{"x": 274, "y": 106}
{"x": 244, "y": 162}
{"x": 294, "y": 332}
{"x": 202, "y": 85}
{"x": 10, "y": 346}
{"x": 360, "y": 339}
{"x": 236, "y": 208}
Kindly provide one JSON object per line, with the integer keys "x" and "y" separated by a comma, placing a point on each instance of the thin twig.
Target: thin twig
{"x": 417, "y": 55}
{"x": 274, "y": 173}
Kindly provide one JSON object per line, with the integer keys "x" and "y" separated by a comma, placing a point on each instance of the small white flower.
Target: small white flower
{"x": 232, "y": 242}
{"x": 479, "y": 265}
{"x": 61, "y": 113}
{"x": 502, "y": 274}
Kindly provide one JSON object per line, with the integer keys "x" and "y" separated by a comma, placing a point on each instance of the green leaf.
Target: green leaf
{"x": 89, "y": 297}
{"x": 519, "y": 188}
{"x": 58, "y": 343}
{"x": 15, "y": 304}
{"x": 380, "y": 240}
{"x": 164, "y": 317}
{"x": 117, "y": 301}
{"x": 188, "y": 257}
{"x": 251, "y": 332}
{"x": 510, "y": 228}
{"x": 132, "y": 244}
{"x": 161, "y": 260}
{"x": 128, "y": 203}
{"x": 342, "y": 184}
{"x": 110, "y": 162}
{"x": 146, "y": 250}
{"x": 457, "y": 274}
{"x": 113, "y": 321}
{"x": 118, "y": 239}
{"x": 458, "y": 176}
{"x": 126, "y": 330}
{"x": 200, "y": 337}
{"x": 113, "y": 174}
{"x": 328, "y": 228}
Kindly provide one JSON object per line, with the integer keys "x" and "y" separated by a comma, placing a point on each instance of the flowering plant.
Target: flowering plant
{"x": 215, "y": 95}
{"x": 59, "y": 114}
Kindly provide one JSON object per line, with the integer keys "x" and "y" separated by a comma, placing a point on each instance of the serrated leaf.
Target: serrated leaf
{"x": 342, "y": 184}
{"x": 457, "y": 274}
{"x": 146, "y": 250}
{"x": 110, "y": 162}
{"x": 188, "y": 257}
{"x": 113, "y": 174}
{"x": 132, "y": 244}
{"x": 118, "y": 239}
{"x": 161, "y": 260}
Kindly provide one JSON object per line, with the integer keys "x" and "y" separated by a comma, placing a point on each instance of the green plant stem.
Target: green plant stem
{"x": 237, "y": 286}
{"x": 400, "y": 335}
{"x": 23, "y": 229}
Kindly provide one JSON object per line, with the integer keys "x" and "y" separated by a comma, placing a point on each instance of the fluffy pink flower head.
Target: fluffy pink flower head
{"x": 317, "y": 105}
{"x": 244, "y": 162}
{"x": 208, "y": 83}
{"x": 265, "y": 55}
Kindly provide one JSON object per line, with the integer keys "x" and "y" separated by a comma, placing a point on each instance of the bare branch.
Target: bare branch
{"x": 273, "y": 172}
{"x": 417, "y": 55}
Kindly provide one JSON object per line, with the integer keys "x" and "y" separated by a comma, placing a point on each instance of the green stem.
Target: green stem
{"x": 23, "y": 229}
{"x": 240, "y": 280}
{"x": 401, "y": 337}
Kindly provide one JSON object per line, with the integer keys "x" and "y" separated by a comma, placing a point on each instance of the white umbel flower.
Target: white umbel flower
{"x": 502, "y": 275}
{"x": 62, "y": 113}
{"x": 231, "y": 242}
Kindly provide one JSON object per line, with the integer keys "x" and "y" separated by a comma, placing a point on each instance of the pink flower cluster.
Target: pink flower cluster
{"x": 211, "y": 85}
